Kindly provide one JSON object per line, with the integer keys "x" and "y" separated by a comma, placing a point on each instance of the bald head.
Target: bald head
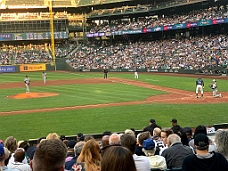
{"x": 114, "y": 139}
{"x": 173, "y": 138}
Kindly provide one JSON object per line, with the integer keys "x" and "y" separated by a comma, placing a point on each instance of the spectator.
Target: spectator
{"x": 188, "y": 132}
{"x": 88, "y": 137}
{"x": 80, "y": 137}
{"x": 179, "y": 131}
{"x": 130, "y": 132}
{"x": 156, "y": 161}
{"x": 19, "y": 156}
{"x": 176, "y": 152}
{"x": 221, "y": 142}
{"x": 89, "y": 158}
{"x": 143, "y": 136}
{"x": 114, "y": 139}
{"x": 158, "y": 142}
{"x": 25, "y": 145}
{"x": 202, "y": 129}
{"x": 117, "y": 158}
{"x": 52, "y": 136}
{"x": 11, "y": 144}
{"x": 164, "y": 136}
{"x": 152, "y": 125}
{"x": 77, "y": 150}
{"x": 203, "y": 160}
{"x": 175, "y": 127}
{"x": 141, "y": 162}
{"x": 70, "y": 150}
{"x": 62, "y": 137}
{"x": 105, "y": 141}
{"x": 50, "y": 155}
{"x": 2, "y": 160}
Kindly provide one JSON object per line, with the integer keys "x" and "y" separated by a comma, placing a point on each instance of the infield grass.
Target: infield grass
{"x": 97, "y": 120}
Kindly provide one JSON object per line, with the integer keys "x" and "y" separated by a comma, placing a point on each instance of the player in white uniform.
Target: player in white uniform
{"x": 214, "y": 87}
{"x": 199, "y": 86}
{"x": 27, "y": 82}
{"x": 136, "y": 73}
{"x": 44, "y": 75}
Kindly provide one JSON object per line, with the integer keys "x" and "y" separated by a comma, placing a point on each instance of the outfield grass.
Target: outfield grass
{"x": 97, "y": 120}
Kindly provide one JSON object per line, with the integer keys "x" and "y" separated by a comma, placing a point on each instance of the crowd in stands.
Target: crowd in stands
{"x": 140, "y": 7}
{"x": 186, "y": 53}
{"x": 33, "y": 53}
{"x": 149, "y": 22}
{"x": 62, "y": 50}
{"x": 152, "y": 148}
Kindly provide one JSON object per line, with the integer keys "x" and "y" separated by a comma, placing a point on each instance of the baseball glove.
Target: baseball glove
{"x": 211, "y": 86}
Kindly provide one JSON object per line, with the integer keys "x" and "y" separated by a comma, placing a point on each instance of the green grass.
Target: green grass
{"x": 97, "y": 120}
{"x": 75, "y": 95}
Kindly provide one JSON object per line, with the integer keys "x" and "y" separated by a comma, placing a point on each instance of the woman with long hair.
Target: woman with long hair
{"x": 89, "y": 158}
{"x": 117, "y": 158}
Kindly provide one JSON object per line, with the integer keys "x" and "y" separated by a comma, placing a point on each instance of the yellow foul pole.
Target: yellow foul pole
{"x": 52, "y": 34}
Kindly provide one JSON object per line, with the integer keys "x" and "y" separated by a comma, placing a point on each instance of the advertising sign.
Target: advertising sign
{"x": 33, "y": 67}
{"x": 7, "y": 69}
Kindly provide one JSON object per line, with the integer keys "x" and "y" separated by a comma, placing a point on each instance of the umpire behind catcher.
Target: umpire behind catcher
{"x": 105, "y": 73}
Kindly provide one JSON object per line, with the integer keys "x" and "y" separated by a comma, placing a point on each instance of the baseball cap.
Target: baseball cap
{"x": 148, "y": 144}
{"x": 31, "y": 151}
{"x": 1, "y": 150}
{"x": 71, "y": 144}
{"x": 214, "y": 80}
{"x": 62, "y": 137}
{"x": 152, "y": 121}
{"x": 174, "y": 120}
{"x": 201, "y": 141}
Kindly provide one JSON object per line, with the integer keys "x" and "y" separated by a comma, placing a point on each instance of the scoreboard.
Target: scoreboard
{"x": 32, "y": 36}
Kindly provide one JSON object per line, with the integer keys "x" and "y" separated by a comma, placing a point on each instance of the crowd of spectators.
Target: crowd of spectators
{"x": 64, "y": 49}
{"x": 187, "y": 53}
{"x": 145, "y": 150}
{"x": 33, "y": 53}
{"x": 149, "y": 22}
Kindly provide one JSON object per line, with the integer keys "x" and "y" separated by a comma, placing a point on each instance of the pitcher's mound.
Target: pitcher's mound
{"x": 32, "y": 95}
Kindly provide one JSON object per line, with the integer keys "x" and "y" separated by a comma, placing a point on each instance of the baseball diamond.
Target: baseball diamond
{"x": 169, "y": 95}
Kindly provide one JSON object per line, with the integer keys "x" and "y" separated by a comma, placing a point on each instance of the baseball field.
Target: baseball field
{"x": 85, "y": 102}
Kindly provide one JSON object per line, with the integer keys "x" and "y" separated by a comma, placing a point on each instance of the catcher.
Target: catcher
{"x": 27, "y": 82}
{"x": 214, "y": 87}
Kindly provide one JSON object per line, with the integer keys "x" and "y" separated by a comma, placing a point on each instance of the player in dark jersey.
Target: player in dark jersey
{"x": 199, "y": 86}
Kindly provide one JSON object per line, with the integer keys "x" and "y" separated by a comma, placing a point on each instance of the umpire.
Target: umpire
{"x": 105, "y": 73}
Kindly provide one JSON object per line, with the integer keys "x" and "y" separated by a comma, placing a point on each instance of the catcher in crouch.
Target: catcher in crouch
{"x": 214, "y": 87}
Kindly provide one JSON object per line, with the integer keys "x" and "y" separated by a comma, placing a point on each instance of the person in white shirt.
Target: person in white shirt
{"x": 27, "y": 82}
{"x": 19, "y": 156}
{"x": 44, "y": 76}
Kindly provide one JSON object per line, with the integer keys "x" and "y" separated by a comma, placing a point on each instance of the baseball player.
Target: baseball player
{"x": 44, "y": 75}
{"x": 105, "y": 73}
{"x": 27, "y": 82}
{"x": 199, "y": 86}
{"x": 136, "y": 73}
{"x": 214, "y": 87}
